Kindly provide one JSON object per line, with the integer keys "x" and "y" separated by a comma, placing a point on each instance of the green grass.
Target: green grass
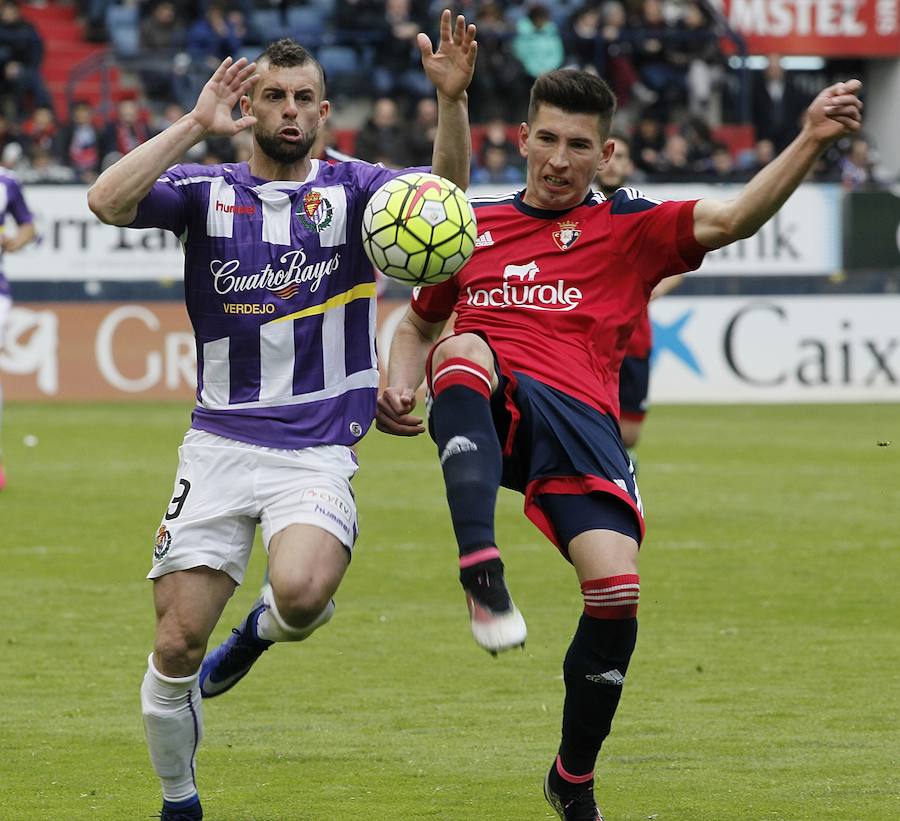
{"x": 766, "y": 684}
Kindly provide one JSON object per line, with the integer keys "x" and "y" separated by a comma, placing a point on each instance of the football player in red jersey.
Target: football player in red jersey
{"x": 634, "y": 373}
{"x": 525, "y": 390}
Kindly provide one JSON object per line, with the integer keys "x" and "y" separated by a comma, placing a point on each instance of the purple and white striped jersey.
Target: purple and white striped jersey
{"x": 11, "y": 202}
{"x": 281, "y": 297}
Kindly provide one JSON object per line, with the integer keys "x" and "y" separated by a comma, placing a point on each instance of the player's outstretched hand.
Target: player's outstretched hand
{"x": 220, "y": 95}
{"x": 451, "y": 67}
{"x": 836, "y": 112}
{"x": 395, "y": 406}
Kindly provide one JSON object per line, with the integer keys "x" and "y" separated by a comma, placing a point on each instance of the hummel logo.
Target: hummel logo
{"x": 484, "y": 240}
{"x": 610, "y": 677}
{"x": 458, "y": 444}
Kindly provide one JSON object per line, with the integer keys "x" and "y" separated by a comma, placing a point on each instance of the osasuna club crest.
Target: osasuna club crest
{"x": 316, "y": 212}
{"x": 567, "y": 235}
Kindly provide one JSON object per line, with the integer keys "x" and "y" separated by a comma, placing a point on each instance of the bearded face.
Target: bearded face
{"x": 276, "y": 145}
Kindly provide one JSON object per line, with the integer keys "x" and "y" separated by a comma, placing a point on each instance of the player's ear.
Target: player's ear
{"x": 609, "y": 148}
{"x": 246, "y": 105}
{"x": 523, "y": 139}
{"x": 324, "y": 111}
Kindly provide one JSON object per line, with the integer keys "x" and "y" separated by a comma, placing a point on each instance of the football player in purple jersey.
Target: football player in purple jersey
{"x": 282, "y": 302}
{"x": 12, "y": 202}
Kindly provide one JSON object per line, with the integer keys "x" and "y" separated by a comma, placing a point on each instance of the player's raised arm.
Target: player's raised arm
{"x": 837, "y": 111}
{"x": 450, "y": 69}
{"x": 412, "y": 340}
{"x": 115, "y": 195}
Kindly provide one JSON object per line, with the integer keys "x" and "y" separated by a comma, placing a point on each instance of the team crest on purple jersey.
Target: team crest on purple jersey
{"x": 316, "y": 212}
{"x": 567, "y": 235}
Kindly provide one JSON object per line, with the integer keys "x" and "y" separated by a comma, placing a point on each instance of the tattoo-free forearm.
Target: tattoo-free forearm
{"x": 115, "y": 195}
{"x": 452, "y": 153}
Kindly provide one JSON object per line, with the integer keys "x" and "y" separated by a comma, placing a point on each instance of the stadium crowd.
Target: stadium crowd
{"x": 663, "y": 59}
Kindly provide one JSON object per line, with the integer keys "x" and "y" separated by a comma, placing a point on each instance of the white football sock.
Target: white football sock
{"x": 173, "y": 725}
{"x": 272, "y": 626}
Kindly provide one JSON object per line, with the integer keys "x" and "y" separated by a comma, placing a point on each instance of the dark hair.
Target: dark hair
{"x": 576, "y": 92}
{"x": 287, "y": 53}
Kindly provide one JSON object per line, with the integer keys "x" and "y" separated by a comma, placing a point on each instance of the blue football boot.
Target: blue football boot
{"x": 232, "y": 659}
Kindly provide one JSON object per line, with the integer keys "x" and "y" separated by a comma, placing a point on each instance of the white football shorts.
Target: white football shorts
{"x": 224, "y": 488}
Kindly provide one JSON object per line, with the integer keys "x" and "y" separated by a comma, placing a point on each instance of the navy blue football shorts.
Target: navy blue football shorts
{"x": 566, "y": 457}
{"x": 634, "y": 386}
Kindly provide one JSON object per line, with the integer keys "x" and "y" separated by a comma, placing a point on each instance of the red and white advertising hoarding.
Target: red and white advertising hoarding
{"x": 825, "y": 28}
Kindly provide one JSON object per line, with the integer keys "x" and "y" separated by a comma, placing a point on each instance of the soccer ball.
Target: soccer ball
{"x": 419, "y": 229}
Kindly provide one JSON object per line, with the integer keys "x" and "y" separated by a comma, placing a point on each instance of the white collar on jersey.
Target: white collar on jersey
{"x": 290, "y": 185}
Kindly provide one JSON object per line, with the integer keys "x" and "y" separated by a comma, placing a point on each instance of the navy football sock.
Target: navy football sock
{"x": 594, "y": 672}
{"x": 469, "y": 449}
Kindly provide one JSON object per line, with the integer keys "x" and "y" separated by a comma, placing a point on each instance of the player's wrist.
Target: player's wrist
{"x": 453, "y": 99}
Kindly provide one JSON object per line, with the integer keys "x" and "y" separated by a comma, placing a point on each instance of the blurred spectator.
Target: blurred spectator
{"x": 585, "y": 50}
{"x": 421, "y": 134}
{"x": 125, "y": 132}
{"x": 43, "y": 166}
{"x": 500, "y": 83}
{"x": 21, "y": 53}
{"x": 858, "y": 167}
{"x": 216, "y": 35}
{"x": 721, "y": 166}
{"x": 162, "y": 35}
{"x": 398, "y": 65}
{"x": 699, "y": 51}
{"x": 161, "y": 29}
{"x": 383, "y": 138}
{"x": 672, "y": 163}
{"x": 171, "y": 112}
{"x": 495, "y": 168}
{"x": 80, "y": 142}
{"x": 777, "y": 105}
{"x": 360, "y": 18}
{"x": 655, "y": 55}
{"x": 756, "y": 158}
{"x": 537, "y": 42}
{"x": 648, "y": 140}
{"x": 41, "y": 132}
{"x": 496, "y": 135}
{"x": 697, "y": 132}
{"x": 619, "y": 69}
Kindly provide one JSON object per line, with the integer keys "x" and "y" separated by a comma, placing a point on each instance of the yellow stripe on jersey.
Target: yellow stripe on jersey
{"x": 365, "y": 290}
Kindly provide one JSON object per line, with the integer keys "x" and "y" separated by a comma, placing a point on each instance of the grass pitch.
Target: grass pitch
{"x": 766, "y": 682}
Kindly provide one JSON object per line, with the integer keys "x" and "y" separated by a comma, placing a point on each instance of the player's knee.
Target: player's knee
{"x": 465, "y": 346}
{"x": 301, "y": 604}
{"x": 178, "y": 652}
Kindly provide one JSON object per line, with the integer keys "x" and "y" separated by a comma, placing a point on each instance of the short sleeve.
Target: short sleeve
{"x": 166, "y": 204}
{"x": 656, "y": 237}
{"x": 435, "y": 303}
{"x": 372, "y": 177}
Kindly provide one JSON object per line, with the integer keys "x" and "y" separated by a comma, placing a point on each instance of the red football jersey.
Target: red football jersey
{"x": 641, "y": 342}
{"x": 557, "y": 293}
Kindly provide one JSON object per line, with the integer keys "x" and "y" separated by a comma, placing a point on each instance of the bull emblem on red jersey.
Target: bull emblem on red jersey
{"x": 567, "y": 235}
{"x": 523, "y": 273}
